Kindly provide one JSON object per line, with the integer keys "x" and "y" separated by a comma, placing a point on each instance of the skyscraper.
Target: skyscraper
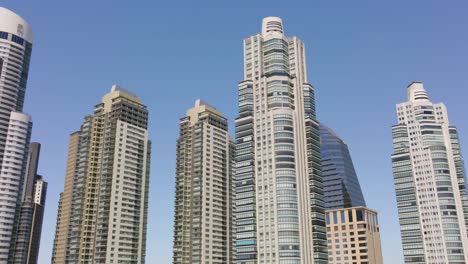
{"x": 340, "y": 183}
{"x": 15, "y": 127}
{"x": 279, "y": 194}
{"x": 108, "y": 168}
{"x": 16, "y": 46}
{"x": 29, "y": 225}
{"x": 203, "y": 210}
{"x": 12, "y": 176}
{"x": 430, "y": 182}
{"x": 59, "y": 254}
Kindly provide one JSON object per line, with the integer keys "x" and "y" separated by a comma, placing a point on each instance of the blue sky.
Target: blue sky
{"x": 361, "y": 56}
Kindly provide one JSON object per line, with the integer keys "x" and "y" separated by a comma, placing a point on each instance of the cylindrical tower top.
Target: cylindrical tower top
{"x": 14, "y": 24}
{"x": 272, "y": 26}
{"x": 416, "y": 92}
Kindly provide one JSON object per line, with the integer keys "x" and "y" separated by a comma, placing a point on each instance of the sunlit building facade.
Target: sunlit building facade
{"x": 430, "y": 182}
{"x": 15, "y": 126}
{"x": 15, "y": 54}
{"x": 203, "y": 224}
{"x": 12, "y": 176}
{"x": 107, "y": 217}
{"x": 59, "y": 253}
{"x": 279, "y": 194}
{"x": 353, "y": 236}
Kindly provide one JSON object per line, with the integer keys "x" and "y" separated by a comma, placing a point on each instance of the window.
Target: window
{"x": 359, "y": 215}
{"x": 17, "y": 39}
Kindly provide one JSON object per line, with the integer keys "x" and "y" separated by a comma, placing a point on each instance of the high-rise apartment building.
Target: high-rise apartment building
{"x": 12, "y": 176}
{"x": 279, "y": 194}
{"x": 107, "y": 179}
{"x": 341, "y": 186}
{"x": 29, "y": 224}
{"x": 59, "y": 254}
{"x": 203, "y": 227}
{"x": 353, "y": 236}
{"x": 15, "y": 54}
{"x": 430, "y": 182}
{"x": 15, "y": 127}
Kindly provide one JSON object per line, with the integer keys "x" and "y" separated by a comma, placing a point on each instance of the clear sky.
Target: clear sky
{"x": 361, "y": 56}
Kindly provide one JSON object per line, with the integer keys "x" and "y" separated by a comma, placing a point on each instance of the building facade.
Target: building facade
{"x": 352, "y": 229}
{"x": 203, "y": 226}
{"x": 15, "y": 54}
{"x": 430, "y": 182}
{"x": 340, "y": 183}
{"x": 279, "y": 194}
{"x": 29, "y": 225}
{"x": 353, "y": 236}
{"x": 12, "y": 176}
{"x": 109, "y": 198}
{"x": 59, "y": 254}
{"x": 15, "y": 127}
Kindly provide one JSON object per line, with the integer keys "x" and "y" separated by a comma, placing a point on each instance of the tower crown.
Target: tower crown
{"x": 14, "y": 24}
{"x": 272, "y": 26}
{"x": 417, "y": 93}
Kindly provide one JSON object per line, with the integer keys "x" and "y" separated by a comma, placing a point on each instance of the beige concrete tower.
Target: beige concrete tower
{"x": 353, "y": 236}
{"x": 107, "y": 219}
{"x": 203, "y": 209}
{"x": 63, "y": 216}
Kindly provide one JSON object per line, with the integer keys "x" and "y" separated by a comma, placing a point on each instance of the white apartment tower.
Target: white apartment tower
{"x": 279, "y": 194}
{"x": 430, "y": 182}
{"x": 15, "y": 127}
{"x": 15, "y": 54}
{"x": 12, "y": 175}
{"x": 203, "y": 210}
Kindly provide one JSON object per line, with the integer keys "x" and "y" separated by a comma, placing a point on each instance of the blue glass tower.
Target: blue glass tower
{"x": 340, "y": 183}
